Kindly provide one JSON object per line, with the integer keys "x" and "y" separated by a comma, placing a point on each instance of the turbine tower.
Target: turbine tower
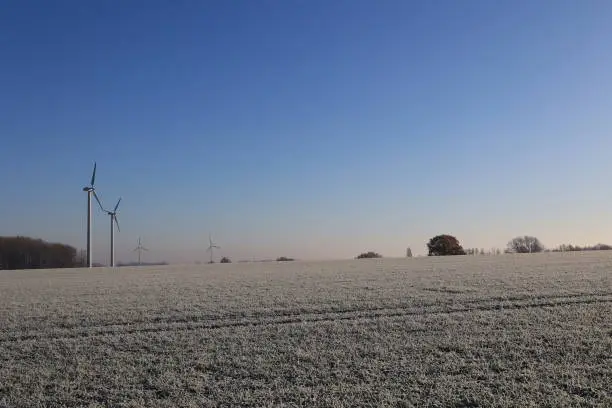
{"x": 140, "y": 248}
{"x": 211, "y": 248}
{"x": 90, "y": 189}
{"x": 113, "y": 220}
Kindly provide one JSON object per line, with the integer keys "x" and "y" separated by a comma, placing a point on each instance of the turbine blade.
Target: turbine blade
{"x": 144, "y": 249}
{"x": 98, "y": 200}
{"x": 117, "y": 223}
{"x": 93, "y": 176}
{"x": 117, "y": 206}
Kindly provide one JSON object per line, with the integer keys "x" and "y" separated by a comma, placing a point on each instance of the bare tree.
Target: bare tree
{"x": 525, "y": 245}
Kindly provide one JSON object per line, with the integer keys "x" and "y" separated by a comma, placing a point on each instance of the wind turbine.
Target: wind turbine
{"x": 211, "y": 247}
{"x": 113, "y": 220}
{"x": 139, "y": 248}
{"x": 90, "y": 189}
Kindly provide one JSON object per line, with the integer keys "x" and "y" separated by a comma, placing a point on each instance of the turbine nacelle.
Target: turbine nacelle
{"x": 113, "y": 214}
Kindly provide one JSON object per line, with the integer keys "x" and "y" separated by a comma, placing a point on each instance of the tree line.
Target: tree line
{"x": 572, "y": 248}
{"x": 29, "y": 253}
{"x": 445, "y": 245}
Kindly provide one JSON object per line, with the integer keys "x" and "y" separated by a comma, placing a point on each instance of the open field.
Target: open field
{"x": 508, "y": 331}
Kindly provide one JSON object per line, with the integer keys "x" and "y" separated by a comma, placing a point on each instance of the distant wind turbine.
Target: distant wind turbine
{"x": 140, "y": 248}
{"x": 211, "y": 247}
{"x": 90, "y": 189}
{"x": 113, "y": 222}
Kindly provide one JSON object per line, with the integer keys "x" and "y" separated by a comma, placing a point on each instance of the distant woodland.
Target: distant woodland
{"x": 30, "y": 253}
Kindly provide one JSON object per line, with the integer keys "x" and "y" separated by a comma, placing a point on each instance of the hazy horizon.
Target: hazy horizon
{"x": 314, "y": 130}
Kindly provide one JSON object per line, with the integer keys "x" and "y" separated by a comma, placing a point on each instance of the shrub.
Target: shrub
{"x": 370, "y": 254}
{"x": 225, "y": 259}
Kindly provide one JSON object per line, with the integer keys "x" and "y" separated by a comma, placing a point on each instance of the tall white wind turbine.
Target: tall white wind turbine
{"x": 113, "y": 222}
{"x": 139, "y": 248}
{"x": 211, "y": 248}
{"x": 90, "y": 189}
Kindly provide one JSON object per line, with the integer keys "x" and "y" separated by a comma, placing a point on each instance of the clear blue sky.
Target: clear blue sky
{"x": 312, "y": 129}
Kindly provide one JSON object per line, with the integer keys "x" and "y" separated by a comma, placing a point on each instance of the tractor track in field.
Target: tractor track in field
{"x": 269, "y": 319}
{"x": 276, "y": 313}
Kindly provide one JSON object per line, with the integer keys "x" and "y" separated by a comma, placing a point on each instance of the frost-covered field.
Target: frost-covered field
{"x": 532, "y": 330}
